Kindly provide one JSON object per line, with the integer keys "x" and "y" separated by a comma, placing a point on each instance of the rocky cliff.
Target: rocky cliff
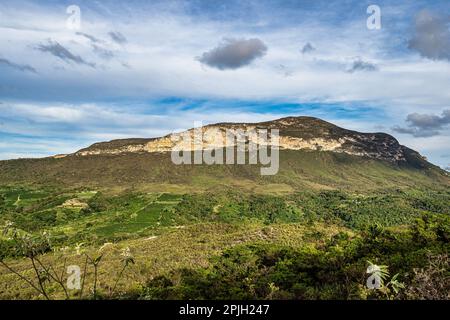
{"x": 295, "y": 133}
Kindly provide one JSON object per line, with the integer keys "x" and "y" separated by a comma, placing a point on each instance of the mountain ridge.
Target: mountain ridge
{"x": 296, "y": 133}
{"x": 311, "y": 157}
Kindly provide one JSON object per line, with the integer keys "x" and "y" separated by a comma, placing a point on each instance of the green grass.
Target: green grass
{"x": 189, "y": 218}
{"x": 299, "y": 170}
{"x": 130, "y": 214}
{"x": 152, "y": 215}
{"x": 191, "y": 246}
{"x": 225, "y": 231}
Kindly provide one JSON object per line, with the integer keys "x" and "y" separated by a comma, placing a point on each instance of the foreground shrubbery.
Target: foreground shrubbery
{"x": 409, "y": 231}
{"x": 316, "y": 267}
{"x": 356, "y": 211}
{"x": 336, "y": 270}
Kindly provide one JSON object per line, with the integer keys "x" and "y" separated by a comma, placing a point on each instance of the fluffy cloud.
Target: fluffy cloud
{"x": 432, "y": 36}
{"x": 57, "y": 50}
{"x": 25, "y": 131}
{"x": 234, "y": 53}
{"x": 117, "y": 37}
{"x": 307, "y": 48}
{"x": 360, "y": 65}
{"x": 165, "y": 65}
{"x": 161, "y": 42}
{"x": 89, "y": 37}
{"x": 425, "y": 125}
{"x": 99, "y": 46}
{"x": 102, "y": 52}
{"x": 20, "y": 67}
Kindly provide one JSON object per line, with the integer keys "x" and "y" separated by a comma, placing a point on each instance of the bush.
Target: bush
{"x": 8, "y": 249}
{"x": 431, "y": 282}
{"x": 335, "y": 270}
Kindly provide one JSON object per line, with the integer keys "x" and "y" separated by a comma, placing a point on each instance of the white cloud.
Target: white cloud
{"x": 162, "y": 62}
{"x": 41, "y": 130}
{"x": 160, "y": 50}
{"x": 91, "y": 122}
{"x": 432, "y": 35}
{"x": 234, "y": 53}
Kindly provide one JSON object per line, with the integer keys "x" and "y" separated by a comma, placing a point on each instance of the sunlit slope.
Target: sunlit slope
{"x": 298, "y": 170}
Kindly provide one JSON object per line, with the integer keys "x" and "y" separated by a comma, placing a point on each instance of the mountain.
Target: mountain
{"x": 296, "y": 133}
{"x": 313, "y": 154}
{"x": 340, "y": 199}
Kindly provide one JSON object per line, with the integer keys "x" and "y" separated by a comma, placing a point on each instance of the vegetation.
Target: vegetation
{"x": 224, "y": 243}
{"x": 299, "y": 170}
{"x": 334, "y": 270}
{"x": 134, "y": 225}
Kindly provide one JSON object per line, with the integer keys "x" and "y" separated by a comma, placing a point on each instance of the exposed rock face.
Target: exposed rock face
{"x": 296, "y": 133}
{"x": 115, "y": 147}
{"x": 74, "y": 203}
{"x": 124, "y": 149}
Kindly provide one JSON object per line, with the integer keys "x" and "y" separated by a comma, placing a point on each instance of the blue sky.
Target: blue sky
{"x": 146, "y": 68}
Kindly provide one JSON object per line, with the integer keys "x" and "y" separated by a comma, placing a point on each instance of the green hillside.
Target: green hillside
{"x": 298, "y": 170}
{"x": 144, "y": 228}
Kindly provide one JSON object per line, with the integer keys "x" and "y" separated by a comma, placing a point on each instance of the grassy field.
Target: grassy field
{"x": 299, "y": 170}
{"x": 182, "y": 247}
{"x": 140, "y": 227}
{"x": 176, "y": 235}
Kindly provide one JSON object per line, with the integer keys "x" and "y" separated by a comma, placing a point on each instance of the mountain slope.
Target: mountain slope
{"x": 313, "y": 154}
{"x": 194, "y": 222}
{"x": 296, "y": 133}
